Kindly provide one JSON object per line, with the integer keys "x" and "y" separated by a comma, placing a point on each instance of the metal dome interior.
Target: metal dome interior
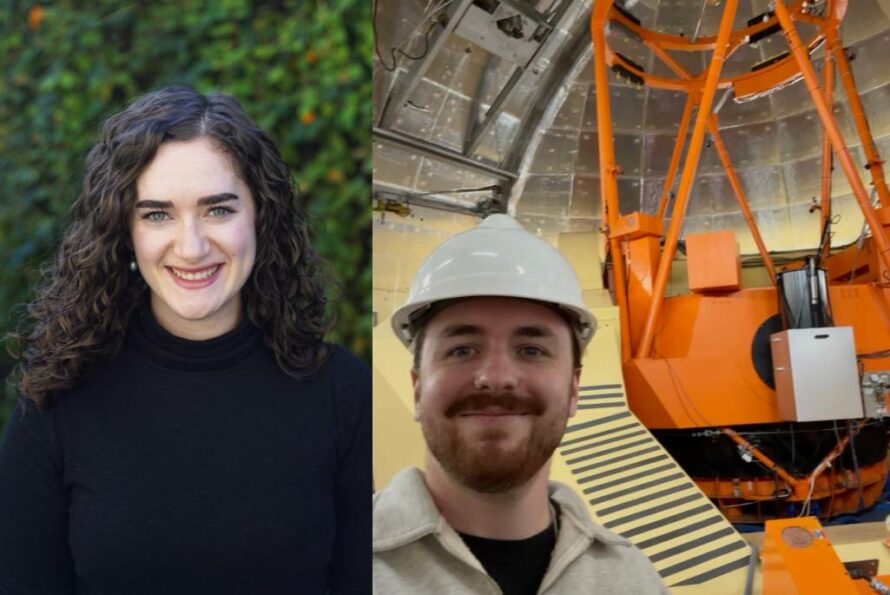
{"x": 499, "y": 96}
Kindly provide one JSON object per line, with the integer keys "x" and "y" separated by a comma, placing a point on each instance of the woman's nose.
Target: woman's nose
{"x": 191, "y": 241}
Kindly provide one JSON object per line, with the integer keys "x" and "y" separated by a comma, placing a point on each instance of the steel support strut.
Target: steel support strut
{"x": 837, "y": 141}
{"x": 873, "y": 160}
{"x": 675, "y": 156}
{"x": 608, "y": 172}
{"x": 740, "y": 196}
{"x": 825, "y": 203}
{"x": 689, "y": 168}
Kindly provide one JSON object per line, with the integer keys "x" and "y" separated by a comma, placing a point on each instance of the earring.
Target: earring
{"x": 133, "y": 264}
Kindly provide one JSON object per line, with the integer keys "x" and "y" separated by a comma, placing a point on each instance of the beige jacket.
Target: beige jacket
{"x": 416, "y": 552}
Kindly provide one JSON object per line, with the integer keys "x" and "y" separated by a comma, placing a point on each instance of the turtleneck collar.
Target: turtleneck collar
{"x": 170, "y": 351}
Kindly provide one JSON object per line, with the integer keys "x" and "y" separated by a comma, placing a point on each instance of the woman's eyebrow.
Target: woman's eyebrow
{"x": 153, "y": 204}
{"x": 215, "y": 199}
{"x": 204, "y": 201}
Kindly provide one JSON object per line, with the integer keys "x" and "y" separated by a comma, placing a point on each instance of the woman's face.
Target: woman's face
{"x": 194, "y": 237}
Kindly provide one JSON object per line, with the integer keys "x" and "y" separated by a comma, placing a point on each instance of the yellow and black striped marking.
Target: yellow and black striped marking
{"x": 635, "y": 488}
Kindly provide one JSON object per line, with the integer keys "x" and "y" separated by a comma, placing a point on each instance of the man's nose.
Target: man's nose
{"x": 497, "y": 372}
{"x": 191, "y": 241}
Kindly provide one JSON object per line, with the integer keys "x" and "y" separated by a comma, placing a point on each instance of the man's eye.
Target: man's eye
{"x": 155, "y": 216}
{"x": 220, "y": 211}
{"x": 531, "y": 351}
{"x": 460, "y": 351}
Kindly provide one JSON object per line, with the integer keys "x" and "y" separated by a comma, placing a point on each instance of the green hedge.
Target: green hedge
{"x": 302, "y": 71}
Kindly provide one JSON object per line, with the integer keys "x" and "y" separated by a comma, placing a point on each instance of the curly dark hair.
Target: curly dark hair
{"x": 88, "y": 295}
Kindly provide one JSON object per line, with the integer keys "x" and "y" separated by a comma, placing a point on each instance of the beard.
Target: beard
{"x": 491, "y": 461}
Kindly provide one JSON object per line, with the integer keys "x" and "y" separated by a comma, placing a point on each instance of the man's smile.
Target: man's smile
{"x": 495, "y": 405}
{"x": 493, "y": 412}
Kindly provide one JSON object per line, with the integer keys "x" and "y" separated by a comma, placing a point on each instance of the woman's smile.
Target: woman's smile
{"x": 195, "y": 278}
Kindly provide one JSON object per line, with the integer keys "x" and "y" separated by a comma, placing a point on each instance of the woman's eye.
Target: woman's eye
{"x": 155, "y": 216}
{"x": 220, "y": 211}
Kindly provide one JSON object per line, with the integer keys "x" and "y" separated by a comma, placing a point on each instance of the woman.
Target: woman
{"x": 183, "y": 427}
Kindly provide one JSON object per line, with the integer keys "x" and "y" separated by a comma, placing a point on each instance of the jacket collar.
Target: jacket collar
{"x": 404, "y": 512}
{"x": 574, "y": 511}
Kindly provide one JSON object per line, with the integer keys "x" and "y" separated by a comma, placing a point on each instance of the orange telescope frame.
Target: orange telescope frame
{"x": 673, "y": 360}
{"x": 700, "y": 93}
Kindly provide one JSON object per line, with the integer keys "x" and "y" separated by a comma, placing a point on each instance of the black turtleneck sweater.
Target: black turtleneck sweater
{"x": 191, "y": 467}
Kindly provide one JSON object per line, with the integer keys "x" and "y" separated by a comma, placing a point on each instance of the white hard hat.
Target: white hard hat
{"x": 496, "y": 258}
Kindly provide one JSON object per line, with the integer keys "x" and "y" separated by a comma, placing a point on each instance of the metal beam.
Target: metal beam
{"x": 608, "y": 172}
{"x": 841, "y": 152}
{"x": 481, "y": 208}
{"x": 408, "y": 81}
{"x": 477, "y": 132}
{"x": 546, "y": 116}
{"x": 405, "y": 141}
{"x": 544, "y": 93}
{"x": 690, "y": 166}
{"x": 527, "y": 10}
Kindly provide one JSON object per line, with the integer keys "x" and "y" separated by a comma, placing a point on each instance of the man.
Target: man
{"x": 497, "y": 326}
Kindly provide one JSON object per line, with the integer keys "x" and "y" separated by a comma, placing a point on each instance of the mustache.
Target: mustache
{"x": 507, "y": 402}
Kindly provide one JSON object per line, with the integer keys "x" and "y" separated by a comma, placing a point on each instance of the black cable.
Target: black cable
{"x": 861, "y": 503}
{"x": 820, "y": 430}
{"x": 793, "y": 448}
{"x": 825, "y": 237}
{"x": 393, "y": 50}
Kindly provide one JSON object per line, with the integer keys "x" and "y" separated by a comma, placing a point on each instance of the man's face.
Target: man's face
{"x": 494, "y": 390}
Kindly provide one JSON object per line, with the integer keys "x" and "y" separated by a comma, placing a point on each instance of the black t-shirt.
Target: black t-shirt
{"x": 191, "y": 467}
{"x": 517, "y": 566}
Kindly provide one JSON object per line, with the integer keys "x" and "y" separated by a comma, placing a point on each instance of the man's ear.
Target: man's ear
{"x": 573, "y": 397}
{"x": 415, "y": 383}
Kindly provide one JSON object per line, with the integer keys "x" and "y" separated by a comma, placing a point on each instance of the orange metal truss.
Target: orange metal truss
{"x": 687, "y": 359}
{"x": 640, "y": 273}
